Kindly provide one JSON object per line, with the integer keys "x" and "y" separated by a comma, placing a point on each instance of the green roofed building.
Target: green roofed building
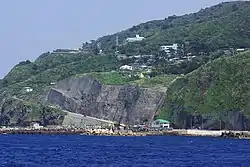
{"x": 160, "y": 123}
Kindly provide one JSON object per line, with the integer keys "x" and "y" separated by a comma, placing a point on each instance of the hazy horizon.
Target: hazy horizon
{"x": 30, "y": 28}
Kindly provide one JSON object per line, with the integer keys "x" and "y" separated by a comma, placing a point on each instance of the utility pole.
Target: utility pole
{"x": 201, "y": 122}
{"x": 232, "y": 49}
{"x": 192, "y": 122}
{"x": 99, "y": 47}
{"x": 116, "y": 44}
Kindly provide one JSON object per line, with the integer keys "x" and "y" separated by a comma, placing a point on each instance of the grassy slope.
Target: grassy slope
{"x": 110, "y": 78}
{"x": 215, "y": 88}
{"x": 60, "y": 67}
{"x": 23, "y": 72}
{"x": 121, "y": 78}
{"x": 55, "y": 67}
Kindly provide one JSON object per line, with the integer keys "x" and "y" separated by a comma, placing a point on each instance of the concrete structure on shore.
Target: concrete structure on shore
{"x": 195, "y": 132}
{"x": 160, "y": 123}
{"x": 111, "y": 132}
{"x": 81, "y": 121}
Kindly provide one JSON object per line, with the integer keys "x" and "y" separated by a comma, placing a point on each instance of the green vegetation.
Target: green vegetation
{"x": 49, "y": 69}
{"x": 156, "y": 82}
{"x": 54, "y": 63}
{"x": 222, "y": 26}
{"x": 215, "y": 88}
{"x": 121, "y": 78}
{"x": 111, "y": 78}
{"x": 22, "y": 113}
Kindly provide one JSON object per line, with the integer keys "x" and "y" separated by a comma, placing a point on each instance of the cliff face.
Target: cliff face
{"x": 231, "y": 120}
{"x": 127, "y": 104}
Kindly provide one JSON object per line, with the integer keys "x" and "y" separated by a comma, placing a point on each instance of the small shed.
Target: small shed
{"x": 160, "y": 123}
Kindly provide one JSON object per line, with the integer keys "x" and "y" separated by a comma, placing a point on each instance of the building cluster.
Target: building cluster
{"x": 168, "y": 49}
{"x": 142, "y": 71}
{"x": 72, "y": 51}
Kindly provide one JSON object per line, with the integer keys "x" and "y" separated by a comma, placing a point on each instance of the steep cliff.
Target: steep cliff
{"x": 127, "y": 104}
{"x": 216, "y": 96}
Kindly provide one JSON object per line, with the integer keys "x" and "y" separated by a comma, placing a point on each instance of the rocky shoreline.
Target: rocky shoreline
{"x": 107, "y": 132}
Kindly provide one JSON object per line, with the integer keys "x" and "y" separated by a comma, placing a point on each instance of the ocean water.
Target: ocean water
{"x": 80, "y": 151}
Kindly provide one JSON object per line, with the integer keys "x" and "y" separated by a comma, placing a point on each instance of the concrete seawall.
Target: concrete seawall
{"x": 194, "y": 132}
{"x": 80, "y": 121}
{"x": 211, "y": 133}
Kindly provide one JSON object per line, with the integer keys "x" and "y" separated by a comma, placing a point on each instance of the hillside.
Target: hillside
{"x": 222, "y": 26}
{"x": 215, "y": 96}
{"x": 40, "y": 75}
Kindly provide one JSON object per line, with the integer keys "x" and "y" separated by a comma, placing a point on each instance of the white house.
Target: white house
{"x": 134, "y": 39}
{"x": 241, "y": 50}
{"x": 137, "y": 56}
{"x": 160, "y": 123}
{"x": 144, "y": 66}
{"x": 167, "y": 48}
{"x": 126, "y": 67}
{"x": 28, "y": 89}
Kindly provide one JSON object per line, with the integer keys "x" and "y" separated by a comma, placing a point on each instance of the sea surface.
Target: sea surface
{"x": 80, "y": 151}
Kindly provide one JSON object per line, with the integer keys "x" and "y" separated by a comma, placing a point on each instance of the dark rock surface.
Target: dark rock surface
{"x": 127, "y": 104}
{"x": 16, "y": 112}
{"x": 230, "y": 120}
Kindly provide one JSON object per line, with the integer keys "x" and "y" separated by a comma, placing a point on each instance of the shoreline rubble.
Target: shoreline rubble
{"x": 108, "y": 132}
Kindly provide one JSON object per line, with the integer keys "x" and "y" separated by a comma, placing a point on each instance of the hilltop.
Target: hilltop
{"x": 222, "y": 26}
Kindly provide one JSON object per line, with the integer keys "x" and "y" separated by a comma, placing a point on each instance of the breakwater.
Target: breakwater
{"x": 108, "y": 132}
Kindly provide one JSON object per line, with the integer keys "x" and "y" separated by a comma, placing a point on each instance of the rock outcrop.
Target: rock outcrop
{"x": 231, "y": 120}
{"x": 16, "y": 112}
{"x": 126, "y": 104}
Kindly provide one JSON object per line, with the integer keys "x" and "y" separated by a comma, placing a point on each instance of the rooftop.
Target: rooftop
{"x": 163, "y": 121}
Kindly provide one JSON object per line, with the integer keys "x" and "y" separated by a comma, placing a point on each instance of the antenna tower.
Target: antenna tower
{"x": 117, "y": 43}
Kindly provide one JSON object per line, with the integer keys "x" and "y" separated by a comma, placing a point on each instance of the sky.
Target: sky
{"x": 30, "y": 27}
